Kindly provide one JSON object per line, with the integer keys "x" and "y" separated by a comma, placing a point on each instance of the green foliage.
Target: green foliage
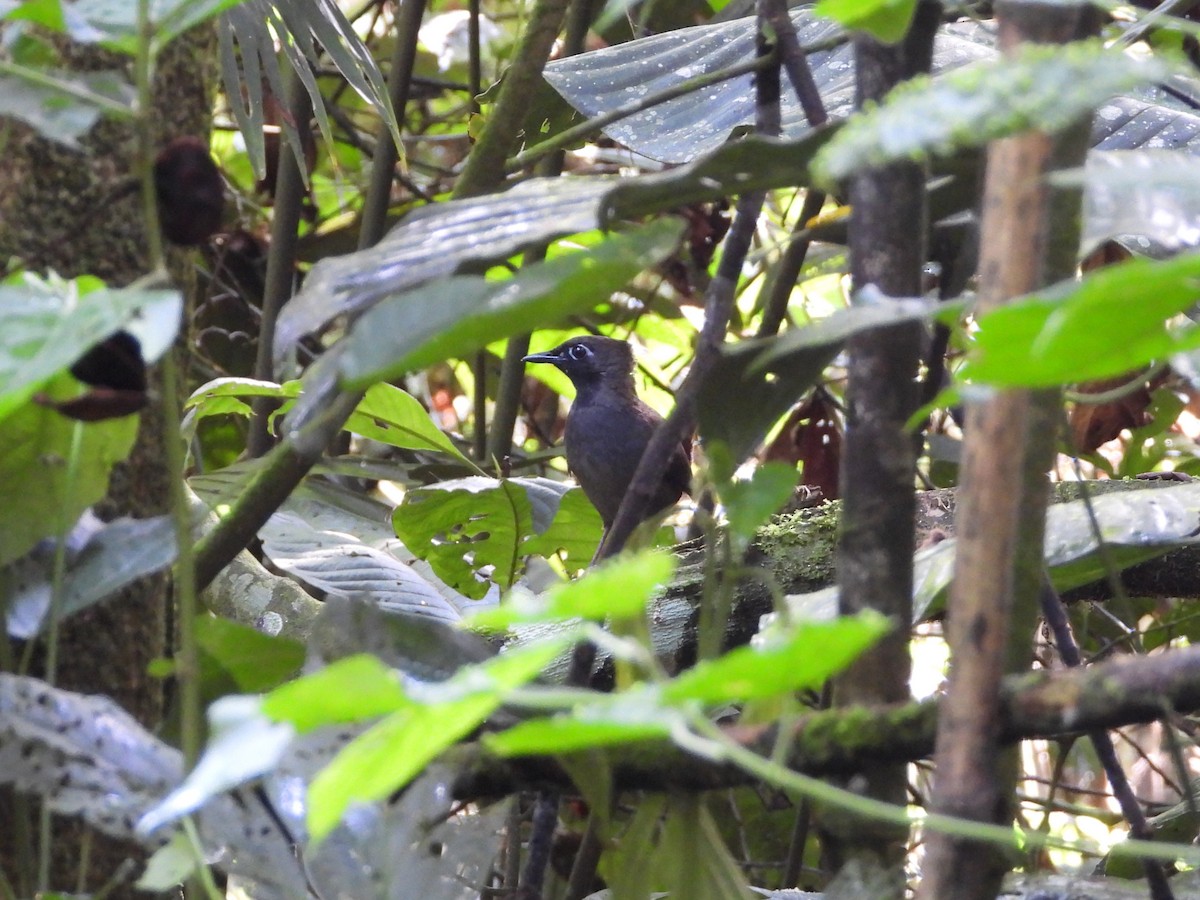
{"x": 51, "y": 322}
{"x": 416, "y": 728}
{"x": 798, "y": 655}
{"x": 1111, "y": 322}
{"x": 885, "y": 20}
{"x": 253, "y": 661}
{"x": 618, "y": 590}
{"x": 46, "y": 479}
{"x": 386, "y": 413}
{"x": 456, "y": 316}
{"x": 477, "y": 531}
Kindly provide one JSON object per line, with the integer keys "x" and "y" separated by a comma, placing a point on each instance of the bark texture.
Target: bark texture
{"x": 64, "y": 210}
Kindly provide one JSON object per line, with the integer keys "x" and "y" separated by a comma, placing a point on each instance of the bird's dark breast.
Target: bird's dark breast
{"x": 604, "y": 445}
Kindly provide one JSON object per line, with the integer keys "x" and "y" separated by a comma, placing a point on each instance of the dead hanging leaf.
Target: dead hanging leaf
{"x": 1094, "y": 424}
{"x": 812, "y": 436}
{"x": 687, "y": 272}
{"x": 97, "y": 404}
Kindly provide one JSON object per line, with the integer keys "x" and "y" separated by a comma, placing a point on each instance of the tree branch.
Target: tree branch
{"x": 850, "y": 739}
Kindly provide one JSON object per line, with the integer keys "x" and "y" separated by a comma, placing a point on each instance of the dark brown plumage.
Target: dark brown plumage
{"x": 609, "y": 426}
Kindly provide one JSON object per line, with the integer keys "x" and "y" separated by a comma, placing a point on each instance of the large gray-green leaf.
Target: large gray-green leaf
{"x": 62, "y": 106}
{"x": 681, "y": 129}
{"x": 88, "y": 759}
{"x": 110, "y": 556}
{"x": 1147, "y": 199}
{"x": 1040, "y": 87}
{"x": 452, "y": 317}
{"x": 1135, "y": 525}
{"x": 435, "y": 241}
{"x": 340, "y": 563}
{"x": 603, "y": 81}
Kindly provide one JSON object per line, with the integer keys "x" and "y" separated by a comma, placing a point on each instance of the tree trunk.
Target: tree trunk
{"x": 64, "y": 210}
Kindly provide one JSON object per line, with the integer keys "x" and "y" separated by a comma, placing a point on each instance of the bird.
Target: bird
{"x": 609, "y": 426}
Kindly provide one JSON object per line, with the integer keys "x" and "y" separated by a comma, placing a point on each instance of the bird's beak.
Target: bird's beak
{"x": 547, "y": 357}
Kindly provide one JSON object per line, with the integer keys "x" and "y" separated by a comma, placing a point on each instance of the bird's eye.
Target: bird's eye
{"x": 578, "y": 352}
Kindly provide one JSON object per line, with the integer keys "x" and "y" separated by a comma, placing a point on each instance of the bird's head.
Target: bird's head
{"x": 590, "y": 361}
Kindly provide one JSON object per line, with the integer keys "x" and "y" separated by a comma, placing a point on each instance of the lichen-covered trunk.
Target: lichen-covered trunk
{"x": 64, "y": 210}
{"x": 887, "y": 250}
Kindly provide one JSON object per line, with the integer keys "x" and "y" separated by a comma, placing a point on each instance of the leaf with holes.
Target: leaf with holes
{"x": 473, "y": 531}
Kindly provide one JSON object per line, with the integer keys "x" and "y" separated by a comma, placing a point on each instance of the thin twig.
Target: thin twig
{"x": 1056, "y": 617}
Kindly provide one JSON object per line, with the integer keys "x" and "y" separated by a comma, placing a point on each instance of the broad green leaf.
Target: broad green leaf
{"x": 1113, "y": 321}
{"x": 434, "y": 241}
{"x": 750, "y": 502}
{"x": 811, "y": 653}
{"x": 393, "y": 416}
{"x": 1039, "y": 87}
{"x": 117, "y": 20}
{"x": 349, "y": 690}
{"x": 50, "y": 323}
{"x": 885, "y": 20}
{"x": 575, "y": 531}
{"x": 37, "y": 493}
{"x": 463, "y": 527}
{"x": 396, "y": 750}
{"x": 62, "y": 106}
{"x": 620, "y": 589}
{"x": 386, "y": 413}
{"x": 453, "y": 317}
{"x": 255, "y": 661}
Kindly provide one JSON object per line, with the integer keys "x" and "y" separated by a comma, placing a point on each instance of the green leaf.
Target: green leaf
{"x": 171, "y": 865}
{"x": 48, "y": 324}
{"x": 755, "y": 382}
{"x": 37, "y": 493}
{"x": 805, "y": 658}
{"x": 386, "y": 413}
{"x": 62, "y": 106}
{"x": 117, "y": 20}
{"x": 575, "y": 531}
{"x": 1042, "y": 87}
{"x": 255, "y": 661}
{"x": 750, "y": 502}
{"x": 393, "y": 752}
{"x": 453, "y": 317}
{"x": 619, "y": 589}
{"x": 1113, "y": 321}
{"x": 395, "y": 417}
{"x": 885, "y": 20}
{"x": 349, "y": 690}
{"x": 476, "y": 531}
{"x": 461, "y": 527}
